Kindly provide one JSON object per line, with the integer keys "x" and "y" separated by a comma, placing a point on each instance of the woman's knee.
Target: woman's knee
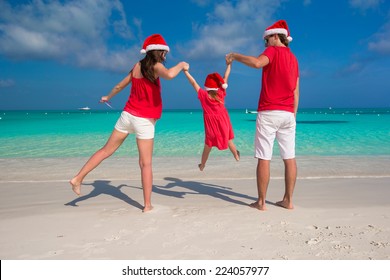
{"x": 105, "y": 152}
{"x": 144, "y": 164}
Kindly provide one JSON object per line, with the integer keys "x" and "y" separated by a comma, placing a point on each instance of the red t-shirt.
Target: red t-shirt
{"x": 279, "y": 80}
{"x": 145, "y": 99}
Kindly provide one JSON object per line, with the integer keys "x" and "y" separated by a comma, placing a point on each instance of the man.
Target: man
{"x": 277, "y": 109}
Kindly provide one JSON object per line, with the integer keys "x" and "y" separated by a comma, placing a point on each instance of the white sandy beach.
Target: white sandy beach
{"x": 342, "y": 211}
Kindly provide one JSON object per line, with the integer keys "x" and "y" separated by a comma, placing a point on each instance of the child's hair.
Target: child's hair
{"x": 213, "y": 82}
{"x": 214, "y": 95}
{"x": 147, "y": 63}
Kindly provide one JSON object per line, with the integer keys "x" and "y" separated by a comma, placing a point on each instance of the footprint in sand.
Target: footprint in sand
{"x": 117, "y": 236}
{"x": 342, "y": 247}
{"x": 56, "y": 253}
{"x": 380, "y": 244}
{"x": 112, "y": 238}
{"x": 312, "y": 227}
{"x": 313, "y": 241}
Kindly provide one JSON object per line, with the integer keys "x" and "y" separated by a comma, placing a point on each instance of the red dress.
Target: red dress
{"x": 217, "y": 125}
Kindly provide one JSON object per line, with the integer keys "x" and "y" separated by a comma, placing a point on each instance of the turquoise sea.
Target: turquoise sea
{"x": 320, "y": 132}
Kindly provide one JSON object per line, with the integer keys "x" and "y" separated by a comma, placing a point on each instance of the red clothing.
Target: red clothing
{"x": 145, "y": 99}
{"x": 218, "y": 128}
{"x": 279, "y": 80}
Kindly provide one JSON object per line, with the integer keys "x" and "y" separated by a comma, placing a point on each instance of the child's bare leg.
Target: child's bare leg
{"x": 234, "y": 150}
{"x": 145, "y": 149}
{"x": 113, "y": 143}
{"x": 205, "y": 156}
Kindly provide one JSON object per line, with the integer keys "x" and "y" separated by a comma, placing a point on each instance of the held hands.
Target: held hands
{"x": 229, "y": 58}
{"x": 186, "y": 66}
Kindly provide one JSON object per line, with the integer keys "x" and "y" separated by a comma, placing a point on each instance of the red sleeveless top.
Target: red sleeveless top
{"x": 145, "y": 98}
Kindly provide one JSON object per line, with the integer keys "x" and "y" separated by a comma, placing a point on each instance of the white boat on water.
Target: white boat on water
{"x": 250, "y": 112}
{"x": 85, "y": 108}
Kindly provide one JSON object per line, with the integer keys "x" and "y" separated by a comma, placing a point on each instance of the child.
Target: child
{"x": 218, "y": 128}
{"x": 139, "y": 116}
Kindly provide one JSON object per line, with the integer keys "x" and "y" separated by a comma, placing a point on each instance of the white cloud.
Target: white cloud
{"x": 364, "y": 4}
{"x": 380, "y": 42}
{"x": 382, "y": 46}
{"x": 378, "y": 45}
{"x": 202, "y": 3}
{"x": 230, "y": 26}
{"x": 69, "y": 31}
{"x": 6, "y": 83}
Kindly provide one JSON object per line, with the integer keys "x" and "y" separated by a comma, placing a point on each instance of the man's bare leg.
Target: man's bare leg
{"x": 262, "y": 176}
{"x": 290, "y": 178}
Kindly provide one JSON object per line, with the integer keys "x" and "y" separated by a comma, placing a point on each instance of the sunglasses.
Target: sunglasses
{"x": 266, "y": 39}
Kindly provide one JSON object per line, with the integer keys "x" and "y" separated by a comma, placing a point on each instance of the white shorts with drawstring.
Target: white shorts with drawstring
{"x": 275, "y": 124}
{"x": 142, "y": 127}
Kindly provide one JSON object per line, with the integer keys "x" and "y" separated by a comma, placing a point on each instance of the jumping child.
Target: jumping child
{"x": 218, "y": 128}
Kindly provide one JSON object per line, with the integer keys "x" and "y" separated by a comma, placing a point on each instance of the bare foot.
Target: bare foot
{"x": 76, "y": 186}
{"x": 285, "y": 204}
{"x": 258, "y": 206}
{"x": 201, "y": 166}
{"x": 147, "y": 209}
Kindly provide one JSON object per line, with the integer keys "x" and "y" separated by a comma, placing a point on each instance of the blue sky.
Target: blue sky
{"x": 67, "y": 54}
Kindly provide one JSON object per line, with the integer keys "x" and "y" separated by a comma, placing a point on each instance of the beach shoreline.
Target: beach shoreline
{"x": 341, "y": 210}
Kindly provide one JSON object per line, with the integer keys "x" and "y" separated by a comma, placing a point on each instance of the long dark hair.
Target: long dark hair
{"x": 214, "y": 95}
{"x": 147, "y": 63}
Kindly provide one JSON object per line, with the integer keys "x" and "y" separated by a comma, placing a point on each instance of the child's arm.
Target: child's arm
{"x": 192, "y": 81}
{"x": 227, "y": 72}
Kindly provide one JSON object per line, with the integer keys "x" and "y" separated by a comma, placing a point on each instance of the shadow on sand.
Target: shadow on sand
{"x": 194, "y": 188}
{"x": 201, "y": 188}
{"x": 104, "y": 187}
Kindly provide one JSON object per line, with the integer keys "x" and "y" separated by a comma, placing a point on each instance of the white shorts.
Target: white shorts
{"x": 142, "y": 127}
{"x": 275, "y": 124}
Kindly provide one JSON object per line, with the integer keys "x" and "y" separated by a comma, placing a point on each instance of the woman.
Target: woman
{"x": 142, "y": 110}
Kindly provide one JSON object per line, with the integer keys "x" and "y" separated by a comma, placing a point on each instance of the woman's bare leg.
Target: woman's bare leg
{"x": 113, "y": 143}
{"x": 145, "y": 149}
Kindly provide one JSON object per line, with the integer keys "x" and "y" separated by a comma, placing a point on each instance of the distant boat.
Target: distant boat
{"x": 250, "y": 112}
{"x": 85, "y": 108}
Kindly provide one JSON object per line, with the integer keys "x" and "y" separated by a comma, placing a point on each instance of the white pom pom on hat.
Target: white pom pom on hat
{"x": 154, "y": 42}
{"x": 214, "y": 81}
{"x": 279, "y": 27}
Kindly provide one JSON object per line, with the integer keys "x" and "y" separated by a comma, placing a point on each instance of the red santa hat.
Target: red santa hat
{"x": 214, "y": 81}
{"x": 154, "y": 42}
{"x": 279, "y": 27}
